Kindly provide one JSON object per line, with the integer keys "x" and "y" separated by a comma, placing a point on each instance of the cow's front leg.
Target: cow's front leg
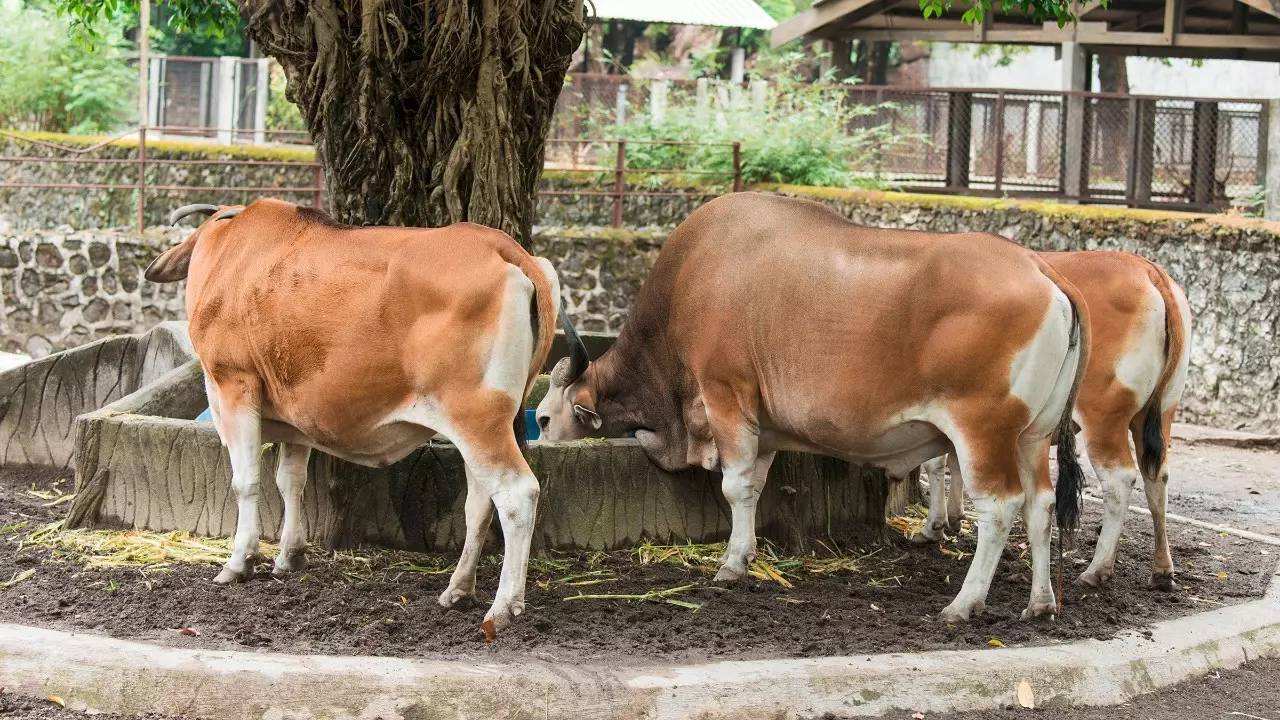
{"x": 291, "y": 480}
{"x": 239, "y": 426}
{"x": 479, "y": 511}
{"x": 742, "y": 490}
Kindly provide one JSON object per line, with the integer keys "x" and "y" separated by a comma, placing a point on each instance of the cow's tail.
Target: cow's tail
{"x": 1069, "y": 491}
{"x": 1152, "y": 452}
{"x": 543, "y": 315}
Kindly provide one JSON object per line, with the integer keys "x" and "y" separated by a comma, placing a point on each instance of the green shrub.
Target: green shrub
{"x": 803, "y": 134}
{"x": 50, "y": 81}
{"x": 281, "y": 113}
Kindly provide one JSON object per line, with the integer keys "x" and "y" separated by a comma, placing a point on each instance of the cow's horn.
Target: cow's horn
{"x": 204, "y": 208}
{"x": 578, "y": 358}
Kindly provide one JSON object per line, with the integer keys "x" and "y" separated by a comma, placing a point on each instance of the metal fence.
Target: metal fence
{"x": 122, "y": 166}
{"x": 1143, "y": 151}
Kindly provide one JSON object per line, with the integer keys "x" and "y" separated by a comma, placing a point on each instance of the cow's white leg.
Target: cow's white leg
{"x": 242, "y": 434}
{"x": 997, "y": 497}
{"x": 291, "y": 480}
{"x": 1038, "y": 511}
{"x": 1117, "y": 483}
{"x": 479, "y": 511}
{"x": 742, "y": 485}
{"x": 935, "y": 524}
{"x": 955, "y": 495}
{"x": 516, "y": 499}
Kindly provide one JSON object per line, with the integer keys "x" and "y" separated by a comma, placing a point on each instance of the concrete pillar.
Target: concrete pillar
{"x": 657, "y": 101}
{"x": 262, "y": 87}
{"x": 224, "y": 116}
{"x": 154, "y": 75}
{"x": 206, "y": 72}
{"x": 702, "y": 97}
{"x": 759, "y": 94}
{"x": 1271, "y": 207}
{"x": 1033, "y": 138}
{"x": 737, "y": 65}
{"x": 620, "y": 105}
{"x": 1075, "y": 150}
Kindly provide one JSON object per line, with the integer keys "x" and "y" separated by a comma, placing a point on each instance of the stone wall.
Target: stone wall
{"x": 62, "y": 288}
{"x": 59, "y": 288}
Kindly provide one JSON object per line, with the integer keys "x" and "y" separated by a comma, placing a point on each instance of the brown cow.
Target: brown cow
{"x": 1140, "y": 325}
{"x": 770, "y": 324}
{"x": 365, "y": 343}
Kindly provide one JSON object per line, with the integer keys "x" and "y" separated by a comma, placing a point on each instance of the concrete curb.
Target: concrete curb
{"x": 99, "y": 673}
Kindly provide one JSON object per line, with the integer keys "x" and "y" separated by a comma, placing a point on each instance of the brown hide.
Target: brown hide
{"x": 784, "y": 316}
{"x": 329, "y": 328}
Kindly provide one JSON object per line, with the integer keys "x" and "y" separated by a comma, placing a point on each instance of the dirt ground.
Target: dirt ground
{"x": 380, "y": 602}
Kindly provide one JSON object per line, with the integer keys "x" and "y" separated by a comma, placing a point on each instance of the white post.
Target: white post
{"x": 722, "y": 103}
{"x": 1074, "y": 78}
{"x": 205, "y": 72}
{"x": 737, "y": 65}
{"x": 1271, "y": 201}
{"x": 1033, "y": 138}
{"x": 224, "y": 116}
{"x": 657, "y": 101}
{"x": 759, "y": 94}
{"x": 144, "y": 60}
{"x": 620, "y": 106}
{"x": 153, "y": 91}
{"x": 260, "y": 101}
{"x": 702, "y": 98}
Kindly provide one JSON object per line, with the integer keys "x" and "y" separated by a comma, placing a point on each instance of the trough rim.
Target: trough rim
{"x": 99, "y": 673}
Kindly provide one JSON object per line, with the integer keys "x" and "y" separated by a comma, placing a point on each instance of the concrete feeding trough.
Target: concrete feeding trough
{"x": 145, "y": 461}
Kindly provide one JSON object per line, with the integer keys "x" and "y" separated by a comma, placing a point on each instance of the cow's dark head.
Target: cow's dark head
{"x": 617, "y": 395}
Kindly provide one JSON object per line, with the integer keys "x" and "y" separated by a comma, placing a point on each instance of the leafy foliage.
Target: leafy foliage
{"x": 281, "y": 113}
{"x": 802, "y": 133}
{"x": 50, "y": 82}
{"x": 1059, "y": 11}
{"x": 203, "y": 18}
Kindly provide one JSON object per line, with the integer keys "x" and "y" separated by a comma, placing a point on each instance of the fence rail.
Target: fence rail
{"x": 588, "y": 164}
{"x": 1140, "y": 150}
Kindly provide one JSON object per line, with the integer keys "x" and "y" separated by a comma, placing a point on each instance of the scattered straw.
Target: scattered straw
{"x": 130, "y": 548}
{"x": 664, "y": 596}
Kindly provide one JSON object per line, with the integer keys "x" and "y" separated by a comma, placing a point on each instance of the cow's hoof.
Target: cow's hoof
{"x": 1163, "y": 582}
{"x": 953, "y": 524}
{"x": 959, "y": 611}
{"x": 919, "y": 538}
{"x": 500, "y": 617}
{"x": 453, "y": 595}
{"x": 730, "y": 573}
{"x": 1040, "y": 608}
{"x": 290, "y": 562}
{"x": 229, "y": 576}
{"x": 1095, "y": 578}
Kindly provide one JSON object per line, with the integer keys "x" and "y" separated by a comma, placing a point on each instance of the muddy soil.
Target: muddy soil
{"x": 382, "y": 602}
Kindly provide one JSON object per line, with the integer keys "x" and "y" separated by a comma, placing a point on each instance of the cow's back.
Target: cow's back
{"x": 340, "y": 324}
{"x": 829, "y": 317}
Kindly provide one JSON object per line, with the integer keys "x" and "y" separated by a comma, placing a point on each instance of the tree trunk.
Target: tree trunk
{"x": 620, "y": 40}
{"x": 1113, "y": 74}
{"x": 1113, "y": 77}
{"x": 424, "y": 113}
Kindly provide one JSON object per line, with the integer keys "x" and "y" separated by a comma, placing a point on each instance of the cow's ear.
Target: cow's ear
{"x": 172, "y": 265}
{"x": 587, "y": 417}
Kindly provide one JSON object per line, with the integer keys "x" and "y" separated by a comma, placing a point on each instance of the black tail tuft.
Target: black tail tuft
{"x": 1069, "y": 492}
{"x": 1152, "y": 441}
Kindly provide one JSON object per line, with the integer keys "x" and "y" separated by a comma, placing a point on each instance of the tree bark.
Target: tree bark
{"x": 424, "y": 112}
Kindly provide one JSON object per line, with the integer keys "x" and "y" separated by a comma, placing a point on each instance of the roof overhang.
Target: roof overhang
{"x": 716, "y": 13}
{"x": 1245, "y": 29}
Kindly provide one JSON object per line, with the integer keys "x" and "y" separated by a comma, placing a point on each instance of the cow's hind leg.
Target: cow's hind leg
{"x": 479, "y": 512}
{"x": 1037, "y": 513}
{"x": 1113, "y": 462}
{"x": 989, "y": 463}
{"x": 240, "y": 429}
{"x": 497, "y": 472}
{"x": 1157, "y": 486}
{"x": 291, "y": 480}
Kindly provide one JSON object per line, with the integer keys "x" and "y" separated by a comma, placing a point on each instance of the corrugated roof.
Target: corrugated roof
{"x": 720, "y": 13}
